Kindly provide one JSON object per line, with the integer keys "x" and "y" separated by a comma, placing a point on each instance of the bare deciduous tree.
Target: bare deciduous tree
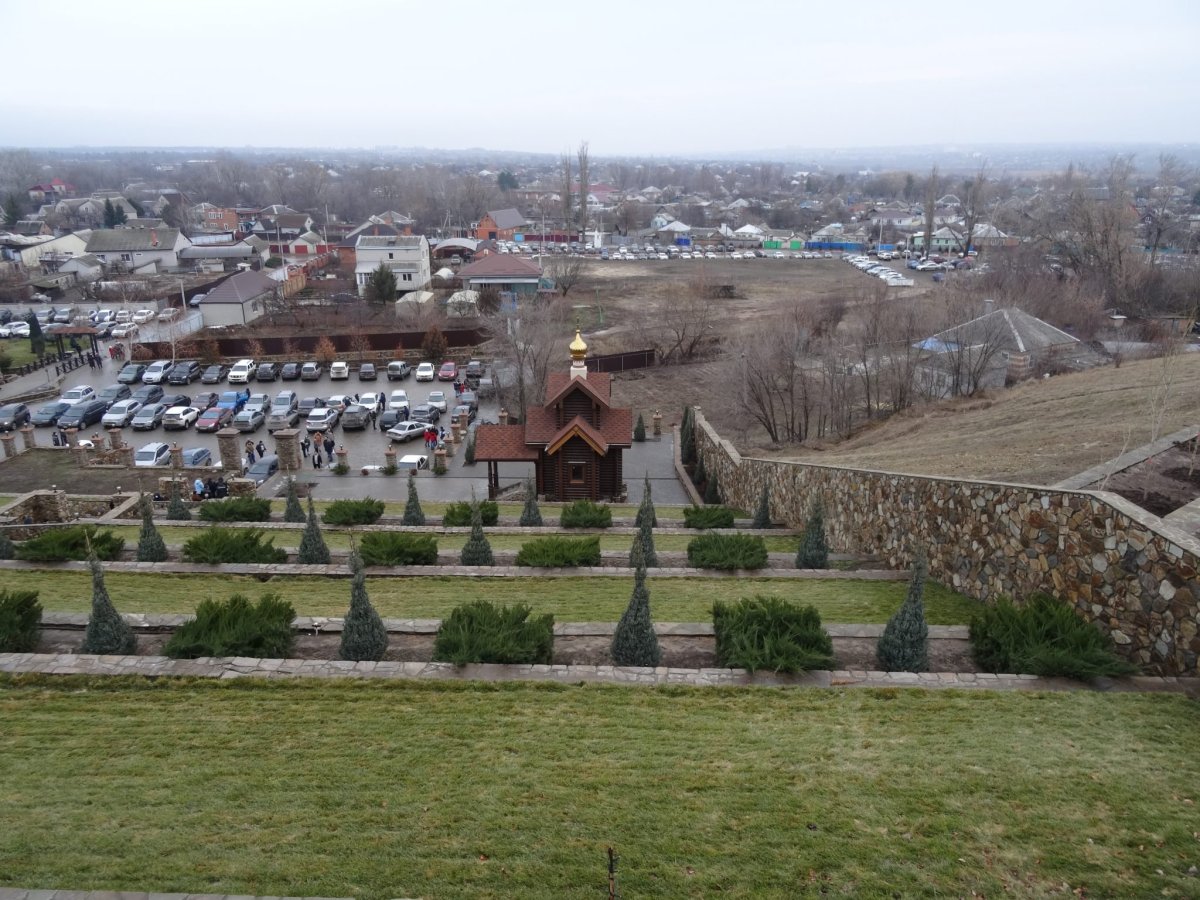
{"x": 683, "y": 323}
{"x": 568, "y": 205}
{"x": 583, "y": 186}
{"x": 532, "y": 337}
{"x": 565, "y": 271}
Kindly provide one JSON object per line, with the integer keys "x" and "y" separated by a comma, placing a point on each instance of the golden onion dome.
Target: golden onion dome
{"x": 578, "y": 347}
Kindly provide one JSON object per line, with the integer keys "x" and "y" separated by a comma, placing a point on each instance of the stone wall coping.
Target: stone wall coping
{"x": 241, "y": 667}
{"x": 1125, "y": 460}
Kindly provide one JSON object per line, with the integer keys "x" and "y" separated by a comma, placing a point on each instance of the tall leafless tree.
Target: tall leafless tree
{"x": 931, "y": 196}
{"x": 584, "y": 184}
{"x": 568, "y": 206}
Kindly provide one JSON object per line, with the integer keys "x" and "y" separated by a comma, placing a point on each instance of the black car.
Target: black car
{"x": 214, "y": 374}
{"x": 390, "y": 417}
{"x": 131, "y": 373}
{"x": 184, "y": 372}
{"x": 83, "y": 414}
{"x": 147, "y": 394}
{"x": 308, "y": 404}
{"x": 175, "y": 400}
{"x": 204, "y": 400}
{"x": 290, "y": 372}
{"x": 366, "y": 372}
{"x": 114, "y": 393}
{"x": 267, "y": 371}
{"x": 355, "y": 417}
{"x": 49, "y": 413}
{"x": 13, "y": 416}
{"x": 425, "y": 413}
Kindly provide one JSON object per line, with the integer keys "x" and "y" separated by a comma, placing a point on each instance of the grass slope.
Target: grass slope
{"x": 569, "y": 599}
{"x": 378, "y": 790}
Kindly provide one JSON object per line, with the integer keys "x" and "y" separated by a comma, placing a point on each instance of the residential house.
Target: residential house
{"x": 500, "y": 225}
{"x": 214, "y": 218}
{"x": 54, "y": 189}
{"x": 239, "y": 299}
{"x": 407, "y": 256}
{"x": 945, "y": 240}
{"x": 225, "y": 256}
{"x": 31, "y": 228}
{"x": 85, "y": 268}
{"x": 136, "y": 249}
{"x": 30, "y": 251}
{"x": 503, "y": 272}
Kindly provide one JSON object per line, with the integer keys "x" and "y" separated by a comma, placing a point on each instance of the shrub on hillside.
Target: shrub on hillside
{"x": 531, "y": 516}
{"x": 177, "y": 510}
{"x": 770, "y": 633}
{"x": 313, "y": 550}
{"x": 396, "y": 548}
{"x": 814, "y": 548}
{"x": 479, "y": 632}
{"x": 151, "y": 547}
{"x": 1043, "y": 637}
{"x": 708, "y": 517}
{"x": 458, "y": 515}
{"x": 727, "y": 551}
{"x": 477, "y": 551}
{"x": 107, "y": 633}
{"x": 364, "y": 636}
{"x": 585, "y": 514}
{"x": 71, "y": 543}
{"x": 904, "y": 644}
{"x": 232, "y": 545}
{"x": 353, "y": 512}
{"x": 20, "y": 617}
{"x": 762, "y": 512}
{"x": 413, "y": 514}
{"x": 634, "y": 642}
{"x": 236, "y": 509}
{"x": 560, "y": 552}
{"x": 236, "y": 627}
{"x": 292, "y": 510}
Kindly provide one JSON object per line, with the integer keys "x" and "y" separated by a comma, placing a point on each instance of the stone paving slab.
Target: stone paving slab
{"x": 241, "y": 667}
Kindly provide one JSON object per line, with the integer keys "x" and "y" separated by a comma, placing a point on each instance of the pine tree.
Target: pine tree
{"x": 107, "y": 633}
{"x": 634, "y": 643}
{"x": 12, "y": 210}
{"x": 37, "y": 339}
{"x": 469, "y": 451}
{"x": 476, "y": 551}
{"x": 712, "y": 491}
{"x": 814, "y": 550}
{"x": 292, "y": 510}
{"x": 364, "y": 636}
{"x": 110, "y": 214}
{"x": 687, "y": 438}
{"x": 642, "y": 553}
{"x": 176, "y": 510}
{"x": 531, "y": 516}
{"x": 904, "y": 645}
{"x": 120, "y": 217}
{"x": 639, "y": 430}
{"x": 313, "y": 551}
{"x": 762, "y": 512}
{"x": 151, "y": 547}
{"x": 646, "y": 507}
{"x": 412, "y": 509}
{"x": 7, "y": 548}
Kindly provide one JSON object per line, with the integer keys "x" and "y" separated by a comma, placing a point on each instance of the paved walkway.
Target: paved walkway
{"x": 243, "y": 667}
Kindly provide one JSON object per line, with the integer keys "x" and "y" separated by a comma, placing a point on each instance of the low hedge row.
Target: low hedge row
{"x": 480, "y": 632}
{"x": 353, "y": 512}
{"x": 559, "y": 552}
{"x": 236, "y": 509}
{"x": 708, "y": 517}
{"x": 20, "y": 619}
{"x": 232, "y": 545}
{"x": 770, "y": 633}
{"x": 236, "y": 627}
{"x": 585, "y": 514}
{"x": 727, "y": 551}
{"x": 458, "y": 515}
{"x": 70, "y": 543}
{"x": 392, "y": 548}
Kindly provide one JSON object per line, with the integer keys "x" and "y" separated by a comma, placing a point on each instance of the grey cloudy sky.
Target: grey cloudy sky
{"x": 630, "y": 77}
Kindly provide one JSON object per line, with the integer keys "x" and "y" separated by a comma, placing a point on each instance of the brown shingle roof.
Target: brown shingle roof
{"x": 599, "y": 384}
{"x": 503, "y": 443}
{"x": 616, "y": 427}
{"x": 499, "y": 265}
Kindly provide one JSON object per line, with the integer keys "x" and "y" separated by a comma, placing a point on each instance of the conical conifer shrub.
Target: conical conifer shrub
{"x": 634, "y": 643}
{"x": 313, "y": 549}
{"x": 107, "y": 633}
{"x": 476, "y": 551}
{"x": 293, "y": 511}
{"x": 151, "y": 547}
{"x": 642, "y": 553}
{"x": 413, "y": 514}
{"x": 904, "y": 645}
{"x": 364, "y": 636}
{"x": 762, "y": 512}
{"x": 646, "y": 507}
{"x": 814, "y": 550}
{"x": 531, "y": 516}
{"x": 177, "y": 511}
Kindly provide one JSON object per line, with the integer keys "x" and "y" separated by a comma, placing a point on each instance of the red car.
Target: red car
{"x": 214, "y": 419}
{"x": 448, "y": 371}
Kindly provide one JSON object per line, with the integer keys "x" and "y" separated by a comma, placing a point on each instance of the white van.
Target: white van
{"x": 243, "y": 371}
{"x": 156, "y": 372}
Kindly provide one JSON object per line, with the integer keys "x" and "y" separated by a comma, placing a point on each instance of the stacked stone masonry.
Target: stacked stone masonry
{"x": 1120, "y": 566}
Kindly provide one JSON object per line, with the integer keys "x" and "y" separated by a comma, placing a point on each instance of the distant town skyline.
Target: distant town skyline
{"x": 712, "y": 79}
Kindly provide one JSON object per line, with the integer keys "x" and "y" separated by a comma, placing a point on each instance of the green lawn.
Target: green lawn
{"x": 378, "y": 790}
{"x": 550, "y": 511}
{"x": 601, "y": 599}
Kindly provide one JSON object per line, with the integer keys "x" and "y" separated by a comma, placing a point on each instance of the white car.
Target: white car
{"x": 339, "y": 402}
{"x": 398, "y": 400}
{"x": 125, "y": 331}
{"x": 406, "y": 431}
{"x": 425, "y": 372}
{"x": 372, "y": 400}
{"x": 179, "y": 418}
{"x": 339, "y": 371}
{"x": 142, "y": 316}
{"x": 156, "y": 372}
{"x": 437, "y": 399}
{"x": 120, "y": 414}
{"x": 156, "y": 454}
{"x": 79, "y": 393}
{"x": 14, "y": 329}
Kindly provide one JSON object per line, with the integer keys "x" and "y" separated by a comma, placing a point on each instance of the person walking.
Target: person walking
{"x": 305, "y": 443}
{"x": 249, "y": 448}
{"x": 250, "y": 458}
{"x": 317, "y": 458}
{"x": 261, "y": 448}
{"x": 329, "y": 445}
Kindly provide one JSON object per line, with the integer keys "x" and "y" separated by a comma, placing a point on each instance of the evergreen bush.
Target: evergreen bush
{"x": 687, "y": 437}
{"x": 232, "y": 545}
{"x": 353, "y": 512}
{"x": 560, "y": 552}
{"x": 639, "y": 430}
{"x": 477, "y": 551}
{"x": 74, "y": 542}
{"x": 712, "y": 490}
{"x": 20, "y": 618}
{"x": 634, "y": 642}
{"x": 708, "y": 517}
{"x": 1043, "y": 637}
{"x": 364, "y": 636}
{"x": 727, "y": 551}
{"x": 236, "y": 509}
{"x": 770, "y": 633}
{"x": 814, "y": 550}
{"x": 313, "y": 549}
{"x": 642, "y": 553}
{"x": 396, "y": 548}
{"x": 762, "y": 512}
{"x": 699, "y": 474}
{"x": 177, "y": 510}
{"x": 469, "y": 451}
{"x": 585, "y": 514}
{"x": 340, "y": 469}
{"x": 236, "y": 627}
{"x": 531, "y": 516}
{"x": 292, "y": 510}
{"x": 458, "y": 515}
{"x": 413, "y": 515}
{"x": 904, "y": 644}
{"x": 480, "y": 632}
{"x": 151, "y": 547}
{"x": 107, "y": 633}
{"x": 8, "y": 550}
{"x": 646, "y": 507}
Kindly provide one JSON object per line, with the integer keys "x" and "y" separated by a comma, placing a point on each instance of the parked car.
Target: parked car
{"x": 355, "y": 417}
{"x": 214, "y": 419}
{"x": 243, "y": 371}
{"x": 180, "y": 418}
{"x": 425, "y": 372}
{"x": 339, "y": 402}
{"x": 82, "y": 414}
{"x": 308, "y": 404}
{"x": 214, "y": 374}
{"x": 398, "y": 400}
{"x": 267, "y": 371}
{"x": 461, "y": 410}
{"x": 184, "y": 372}
{"x": 448, "y": 371}
{"x": 48, "y": 413}
{"x": 398, "y": 370}
{"x": 196, "y": 457}
{"x": 476, "y": 369}
{"x": 156, "y": 454}
{"x": 13, "y": 416}
{"x": 323, "y": 418}
{"x": 258, "y": 401}
{"x": 263, "y": 468}
{"x": 149, "y": 416}
{"x": 290, "y": 371}
{"x": 282, "y": 417}
{"x": 389, "y": 418}
{"x": 142, "y": 316}
{"x": 170, "y": 314}
{"x": 204, "y": 400}
{"x": 310, "y": 371}
{"x": 402, "y": 432}
{"x": 120, "y": 414}
{"x": 366, "y": 372}
{"x": 425, "y": 413}
{"x": 249, "y": 420}
{"x": 339, "y": 371}
{"x": 437, "y": 399}
{"x": 469, "y": 398}
{"x": 14, "y": 330}
{"x": 115, "y": 393}
{"x": 233, "y": 400}
{"x": 413, "y": 461}
{"x": 156, "y": 372}
{"x": 148, "y": 393}
{"x": 80, "y": 392}
{"x": 372, "y": 400}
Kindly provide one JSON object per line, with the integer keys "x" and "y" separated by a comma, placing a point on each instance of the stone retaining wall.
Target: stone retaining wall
{"x": 1120, "y": 566}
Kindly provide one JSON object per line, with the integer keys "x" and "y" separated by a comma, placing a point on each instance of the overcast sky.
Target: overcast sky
{"x": 632, "y": 78}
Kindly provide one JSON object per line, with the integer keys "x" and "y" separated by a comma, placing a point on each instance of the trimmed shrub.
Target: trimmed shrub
{"x": 71, "y": 543}
{"x": 646, "y": 507}
{"x": 727, "y": 551}
{"x": 904, "y": 644}
{"x": 708, "y": 517}
{"x": 458, "y": 515}
{"x": 363, "y": 633}
{"x": 8, "y": 549}
{"x": 177, "y": 510}
{"x": 770, "y": 633}
{"x": 313, "y": 549}
{"x": 762, "y": 512}
{"x": 634, "y": 642}
{"x": 232, "y": 545}
{"x": 396, "y": 548}
{"x": 353, "y": 512}
{"x": 413, "y": 515}
{"x": 639, "y": 430}
{"x": 585, "y": 514}
{"x": 107, "y": 633}
{"x": 236, "y": 627}
{"x": 814, "y": 550}
{"x": 1043, "y": 637}
{"x": 479, "y": 632}
{"x": 292, "y": 510}
{"x": 642, "y": 554}
{"x": 20, "y": 616}
{"x": 340, "y": 468}
{"x": 469, "y": 451}
{"x": 477, "y": 551}
{"x": 712, "y": 490}
{"x": 236, "y": 509}
{"x": 560, "y": 552}
{"x": 151, "y": 547}
{"x": 531, "y": 516}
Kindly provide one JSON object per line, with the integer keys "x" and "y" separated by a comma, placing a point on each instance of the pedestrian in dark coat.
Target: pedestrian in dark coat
{"x": 329, "y": 445}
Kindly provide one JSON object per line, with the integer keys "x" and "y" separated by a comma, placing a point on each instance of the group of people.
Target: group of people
{"x": 212, "y": 489}
{"x": 251, "y": 449}
{"x": 117, "y": 352}
{"x": 434, "y": 436}
{"x": 320, "y": 442}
